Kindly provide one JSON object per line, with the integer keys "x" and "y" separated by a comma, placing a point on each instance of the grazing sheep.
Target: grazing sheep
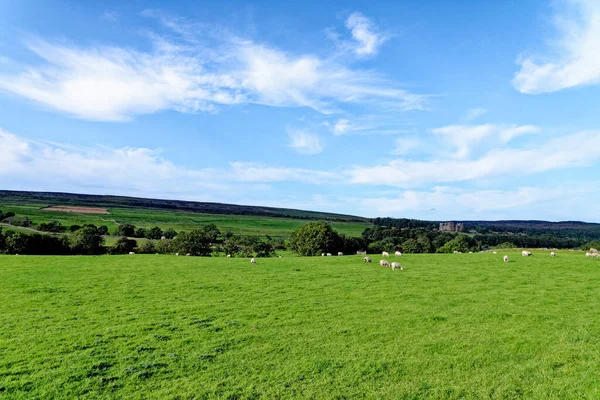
{"x": 588, "y": 254}
{"x": 367, "y": 259}
{"x": 131, "y": 253}
{"x": 361, "y": 253}
{"x": 228, "y": 255}
{"x": 340, "y": 253}
{"x": 322, "y": 254}
{"x": 396, "y": 265}
{"x": 328, "y": 254}
{"x": 553, "y": 254}
{"x": 505, "y": 258}
{"x": 384, "y": 263}
{"x": 176, "y": 254}
{"x": 385, "y": 254}
{"x": 253, "y": 261}
{"x": 398, "y": 254}
{"x": 494, "y": 252}
{"x": 525, "y": 253}
{"x": 592, "y": 250}
{"x": 456, "y": 252}
{"x": 188, "y": 254}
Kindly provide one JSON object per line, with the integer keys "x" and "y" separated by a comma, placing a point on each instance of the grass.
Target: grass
{"x": 448, "y": 326}
{"x": 178, "y": 220}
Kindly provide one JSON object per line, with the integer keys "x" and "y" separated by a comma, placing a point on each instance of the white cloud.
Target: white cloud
{"x": 305, "y": 142}
{"x": 474, "y": 113}
{"x": 465, "y": 137}
{"x": 110, "y": 16}
{"x": 198, "y": 72}
{"x": 576, "y": 54}
{"x": 365, "y": 126}
{"x": 52, "y": 166}
{"x": 576, "y": 150}
{"x": 509, "y": 133}
{"x": 448, "y": 203}
{"x": 365, "y": 34}
{"x": 405, "y": 145}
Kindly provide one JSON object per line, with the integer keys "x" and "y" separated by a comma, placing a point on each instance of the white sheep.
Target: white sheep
{"x": 328, "y": 254}
{"x": 340, "y": 253}
{"x": 525, "y": 253}
{"x": 385, "y": 254}
{"x": 228, "y": 255}
{"x": 384, "y": 263}
{"x": 367, "y": 259}
{"x": 361, "y": 253}
{"x": 396, "y": 265}
{"x": 398, "y": 254}
{"x": 131, "y": 253}
{"x": 495, "y": 252}
{"x": 588, "y": 254}
{"x": 505, "y": 258}
{"x": 322, "y": 254}
{"x": 253, "y": 261}
{"x": 176, "y": 254}
{"x": 188, "y": 254}
{"x": 553, "y": 254}
{"x": 456, "y": 252}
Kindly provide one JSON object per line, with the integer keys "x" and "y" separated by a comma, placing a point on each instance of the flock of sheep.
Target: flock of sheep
{"x": 385, "y": 263}
{"x": 593, "y": 253}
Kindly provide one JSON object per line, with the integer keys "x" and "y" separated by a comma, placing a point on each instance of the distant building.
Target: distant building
{"x": 451, "y": 227}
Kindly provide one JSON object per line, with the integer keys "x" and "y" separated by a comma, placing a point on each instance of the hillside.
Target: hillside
{"x": 54, "y": 198}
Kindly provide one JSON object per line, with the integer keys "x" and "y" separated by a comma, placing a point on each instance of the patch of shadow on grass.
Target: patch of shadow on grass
{"x": 144, "y": 349}
{"x": 439, "y": 318}
{"x": 44, "y": 290}
{"x": 162, "y": 338}
{"x": 145, "y": 370}
{"x": 99, "y": 369}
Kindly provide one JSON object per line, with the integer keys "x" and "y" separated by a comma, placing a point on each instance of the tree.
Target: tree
{"x": 125, "y": 230}
{"x": 155, "y": 233}
{"x": 103, "y": 230}
{"x": 52, "y": 226}
{"x": 314, "y": 238}
{"x": 195, "y": 243}
{"x": 411, "y": 246}
{"x": 123, "y": 246}
{"x": 211, "y": 232}
{"x": 169, "y": 233}
{"x": 74, "y": 228}
{"x": 147, "y": 247}
{"x": 86, "y": 241}
{"x": 140, "y": 233}
{"x": 262, "y": 249}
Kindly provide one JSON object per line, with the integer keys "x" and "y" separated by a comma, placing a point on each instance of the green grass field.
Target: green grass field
{"x": 178, "y": 220}
{"x": 448, "y": 326}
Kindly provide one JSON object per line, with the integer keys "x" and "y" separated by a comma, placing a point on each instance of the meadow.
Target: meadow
{"x": 176, "y": 219}
{"x": 448, "y": 326}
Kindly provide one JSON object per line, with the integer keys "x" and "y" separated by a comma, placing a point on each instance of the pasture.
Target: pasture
{"x": 178, "y": 220}
{"x": 448, "y": 326}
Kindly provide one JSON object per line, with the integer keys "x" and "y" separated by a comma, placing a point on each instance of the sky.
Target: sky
{"x": 438, "y": 110}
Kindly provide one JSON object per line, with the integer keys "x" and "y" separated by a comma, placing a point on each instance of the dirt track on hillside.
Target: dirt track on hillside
{"x": 79, "y": 210}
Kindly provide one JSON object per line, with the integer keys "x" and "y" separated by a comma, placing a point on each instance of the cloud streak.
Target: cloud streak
{"x": 576, "y": 54}
{"x": 199, "y": 73}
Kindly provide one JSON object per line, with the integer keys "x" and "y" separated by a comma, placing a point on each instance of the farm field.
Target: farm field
{"x": 448, "y": 326}
{"x": 178, "y": 220}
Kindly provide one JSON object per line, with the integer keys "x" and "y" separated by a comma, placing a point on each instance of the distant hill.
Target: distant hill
{"x": 531, "y": 224}
{"x": 64, "y": 199}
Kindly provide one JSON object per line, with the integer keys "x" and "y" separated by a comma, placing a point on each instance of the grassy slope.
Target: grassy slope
{"x": 163, "y": 326}
{"x": 178, "y": 220}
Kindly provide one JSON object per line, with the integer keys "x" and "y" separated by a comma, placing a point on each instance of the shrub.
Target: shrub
{"x": 123, "y": 246}
{"x": 87, "y": 241}
{"x": 125, "y": 230}
{"x": 315, "y": 238}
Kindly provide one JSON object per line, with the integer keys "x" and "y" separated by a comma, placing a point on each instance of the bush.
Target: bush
{"x": 125, "y": 230}
{"x": 169, "y": 233}
{"x": 155, "y": 233}
{"x": 506, "y": 245}
{"x": 163, "y": 246}
{"x": 140, "y": 233}
{"x": 123, "y": 246}
{"x": 102, "y": 230}
{"x": 74, "y": 228}
{"x": 52, "y": 226}
{"x": 147, "y": 247}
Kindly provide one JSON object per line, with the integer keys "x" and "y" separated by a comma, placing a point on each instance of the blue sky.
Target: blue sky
{"x": 443, "y": 110}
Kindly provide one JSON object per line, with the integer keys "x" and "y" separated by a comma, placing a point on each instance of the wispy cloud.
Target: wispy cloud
{"x": 575, "y": 60}
{"x": 365, "y": 34}
{"x": 110, "y": 16}
{"x": 474, "y": 113}
{"x": 406, "y": 144}
{"x": 576, "y": 150}
{"x": 198, "y": 72}
{"x": 463, "y": 138}
{"x": 305, "y": 142}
